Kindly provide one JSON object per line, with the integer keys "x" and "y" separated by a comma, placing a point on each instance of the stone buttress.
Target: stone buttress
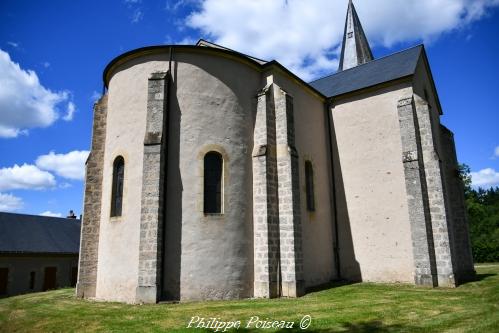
{"x": 427, "y": 204}
{"x": 278, "y": 261}
{"x": 461, "y": 244}
{"x": 153, "y": 191}
{"x": 90, "y": 226}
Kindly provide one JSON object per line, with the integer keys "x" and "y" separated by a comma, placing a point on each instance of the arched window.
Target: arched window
{"x": 213, "y": 170}
{"x": 117, "y": 191}
{"x": 309, "y": 180}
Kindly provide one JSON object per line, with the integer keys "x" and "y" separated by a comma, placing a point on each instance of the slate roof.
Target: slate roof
{"x": 20, "y": 233}
{"x": 381, "y": 70}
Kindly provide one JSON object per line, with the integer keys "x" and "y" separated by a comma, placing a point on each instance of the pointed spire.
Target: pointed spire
{"x": 355, "y": 50}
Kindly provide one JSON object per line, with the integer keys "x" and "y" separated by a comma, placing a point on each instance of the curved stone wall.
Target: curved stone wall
{"x": 211, "y": 107}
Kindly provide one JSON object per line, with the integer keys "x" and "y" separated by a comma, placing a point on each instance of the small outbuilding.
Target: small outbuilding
{"x": 37, "y": 253}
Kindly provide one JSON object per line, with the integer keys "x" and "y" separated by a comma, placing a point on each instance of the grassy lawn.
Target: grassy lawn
{"x": 363, "y": 307}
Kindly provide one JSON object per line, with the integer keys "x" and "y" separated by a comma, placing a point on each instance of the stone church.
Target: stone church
{"x": 217, "y": 175}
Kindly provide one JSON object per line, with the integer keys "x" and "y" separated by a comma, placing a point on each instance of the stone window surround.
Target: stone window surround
{"x": 225, "y": 180}
{"x": 213, "y": 183}
{"x": 312, "y": 166}
{"x": 125, "y": 188}
{"x": 303, "y": 185}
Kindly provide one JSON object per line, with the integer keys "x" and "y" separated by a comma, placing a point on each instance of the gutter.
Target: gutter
{"x": 165, "y": 189}
{"x": 336, "y": 245}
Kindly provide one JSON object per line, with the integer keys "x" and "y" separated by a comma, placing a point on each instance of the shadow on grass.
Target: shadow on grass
{"x": 373, "y": 326}
{"x": 369, "y": 326}
{"x": 476, "y": 278}
{"x": 480, "y": 277}
{"x": 330, "y": 285}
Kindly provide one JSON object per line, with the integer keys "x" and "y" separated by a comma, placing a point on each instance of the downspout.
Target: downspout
{"x": 336, "y": 244}
{"x": 165, "y": 188}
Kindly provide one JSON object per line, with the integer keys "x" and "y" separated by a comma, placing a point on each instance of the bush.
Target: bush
{"x": 483, "y": 218}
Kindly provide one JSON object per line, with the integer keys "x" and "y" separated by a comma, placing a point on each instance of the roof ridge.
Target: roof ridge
{"x": 377, "y": 59}
{"x": 229, "y": 49}
{"x": 42, "y": 216}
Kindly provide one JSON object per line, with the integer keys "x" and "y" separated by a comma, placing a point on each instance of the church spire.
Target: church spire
{"x": 355, "y": 50}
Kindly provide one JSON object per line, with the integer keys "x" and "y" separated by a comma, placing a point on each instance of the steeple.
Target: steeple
{"x": 355, "y": 50}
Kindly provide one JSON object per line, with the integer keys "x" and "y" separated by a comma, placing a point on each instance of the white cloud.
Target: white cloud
{"x": 95, "y": 96}
{"x": 13, "y": 44}
{"x": 485, "y": 178}
{"x": 24, "y": 102}
{"x": 25, "y": 176}
{"x": 10, "y": 203}
{"x": 305, "y": 35}
{"x": 65, "y": 185}
{"x": 174, "y": 5}
{"x": 137, "y": 15}
{"x": 186, "y": 41}
{"x": 496, "y": 152}
{"x": 69, "y": 112}
{"x": 51, "y": 214}
{"x": 6, "y": 132}
{"x": 37, "y": 177}
{"x": 46, "y": 64}
{"x": 70, "y": 165}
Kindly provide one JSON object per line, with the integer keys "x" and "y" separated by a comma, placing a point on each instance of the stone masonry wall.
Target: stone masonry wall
{"x": 417, "y": 195}
{"x": 153, "y": 184}
{"x": 278, "y": 257}
{"x": 436, "y": 195}
{"x": 291, "y": 256}
{"x": 460, "y": 242}
{"x": 89, "y": 244}
{"x": 265, "y": 200}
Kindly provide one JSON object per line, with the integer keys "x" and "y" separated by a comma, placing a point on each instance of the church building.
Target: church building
{"x": 217, "y": 175}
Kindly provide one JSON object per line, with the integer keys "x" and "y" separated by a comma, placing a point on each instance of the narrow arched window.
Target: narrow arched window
{"x": 117, "y": 191}
{"x": 309, "y": 180}
{"x": 213, "y": 170}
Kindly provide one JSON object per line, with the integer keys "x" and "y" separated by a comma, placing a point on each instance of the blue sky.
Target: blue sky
{"x": 52, "y": 54}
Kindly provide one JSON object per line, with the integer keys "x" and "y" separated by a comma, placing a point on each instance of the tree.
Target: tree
{"x": 465, "y": 175}
{"x": 483, "y": 218}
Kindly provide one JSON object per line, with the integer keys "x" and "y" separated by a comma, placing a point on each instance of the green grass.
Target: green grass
{"x": 363, "y": 307}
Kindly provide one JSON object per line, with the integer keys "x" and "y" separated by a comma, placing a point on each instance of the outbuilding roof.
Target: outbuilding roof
{"x": 389, "y": 68}
{"x": 20, "y": 233}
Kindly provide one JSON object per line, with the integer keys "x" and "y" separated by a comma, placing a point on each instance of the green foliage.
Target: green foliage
{"x": 483, "y": 216}
{"x": 465, "y": 175}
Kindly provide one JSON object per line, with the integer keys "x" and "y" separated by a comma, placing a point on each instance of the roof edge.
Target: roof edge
{"x": 369, "y": 62}
{"x": 295, "y": 77}
{"x": 215, "y": 45}
{"x": 250, "y": 60}
{"x": 152, "y": 48}
{"x": 426, "y": 61}
{"x": 34, "y": 253}
{"x": 43, "y": 216}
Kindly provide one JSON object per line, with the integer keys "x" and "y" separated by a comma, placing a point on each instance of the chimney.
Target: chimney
{"x": 71, "y": 215}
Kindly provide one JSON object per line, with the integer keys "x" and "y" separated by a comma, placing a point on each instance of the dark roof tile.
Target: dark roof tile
{"x": 378, "y": 71}
{"x": 20, "y": 233}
